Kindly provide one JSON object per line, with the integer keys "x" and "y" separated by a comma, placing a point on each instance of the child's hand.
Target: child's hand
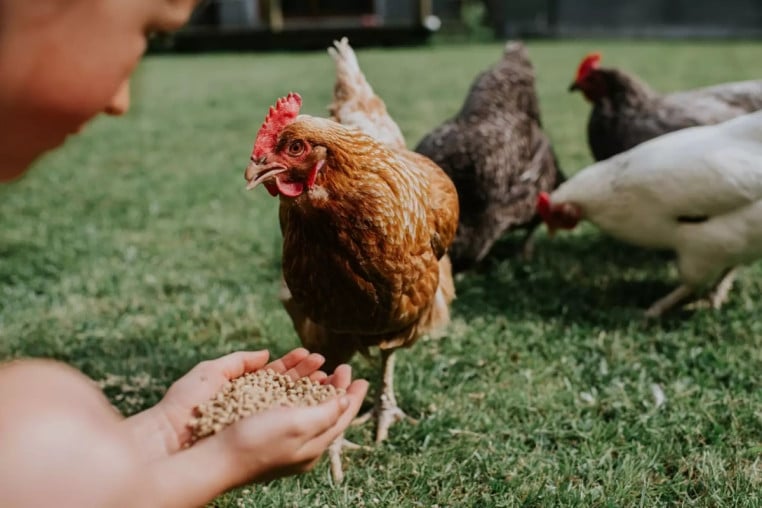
{"x": 285, "y": 441}
{"x": 206, "y": 378}
{"x": 162, "y": 430}
{"x": 261, "y": 447}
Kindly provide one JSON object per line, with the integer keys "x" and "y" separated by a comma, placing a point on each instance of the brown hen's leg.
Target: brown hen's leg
{"x": 334, "y": 454}
{"x": 364, "y": 418}
{"x": 387, "y": 411}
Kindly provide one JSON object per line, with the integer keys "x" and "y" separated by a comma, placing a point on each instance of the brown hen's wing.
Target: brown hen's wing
{"x": 354, "y": 102}
{"x": 436, "y": 318}
{"x": 443, "y": 214}
{"x": 442, "y": 220}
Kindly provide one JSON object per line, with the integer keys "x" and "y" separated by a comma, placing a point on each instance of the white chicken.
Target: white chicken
{"x": 697, "y": 192}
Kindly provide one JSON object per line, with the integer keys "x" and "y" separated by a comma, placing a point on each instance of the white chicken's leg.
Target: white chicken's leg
{"x": 664, "y": 304}
{"x": 721, "y": 291}
{"x": 387, "y": 411}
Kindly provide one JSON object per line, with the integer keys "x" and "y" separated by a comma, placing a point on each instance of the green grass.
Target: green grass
{"x": 134, "y": 252}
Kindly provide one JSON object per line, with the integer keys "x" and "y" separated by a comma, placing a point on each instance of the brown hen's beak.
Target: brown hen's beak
{"x": 573, "y": 87}
{"x": 257, "y": 173}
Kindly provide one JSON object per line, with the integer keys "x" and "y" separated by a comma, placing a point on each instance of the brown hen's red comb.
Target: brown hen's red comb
{"x": 590, "y": 62}
{"x": 284, "y": 112}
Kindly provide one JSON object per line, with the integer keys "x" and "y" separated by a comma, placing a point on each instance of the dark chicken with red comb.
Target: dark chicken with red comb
{"x": 627, "y": 112}
{"x": 497, "y": 155}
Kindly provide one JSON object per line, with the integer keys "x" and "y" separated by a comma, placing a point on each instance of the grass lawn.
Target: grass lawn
{"x": 134, "y": 252}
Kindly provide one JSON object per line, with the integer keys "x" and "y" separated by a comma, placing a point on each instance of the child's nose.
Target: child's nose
{"x": 120, "y": 103}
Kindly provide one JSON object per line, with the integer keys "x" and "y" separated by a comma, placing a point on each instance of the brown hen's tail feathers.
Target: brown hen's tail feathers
{"x": 355, "y": 104}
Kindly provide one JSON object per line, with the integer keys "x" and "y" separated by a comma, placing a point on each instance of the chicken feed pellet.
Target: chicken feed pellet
{"x": 251, "y": 393}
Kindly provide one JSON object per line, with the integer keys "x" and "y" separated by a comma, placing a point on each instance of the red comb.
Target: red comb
{"x": 590, "y": 62}
{"x": 543, "y": 205}
{"x": 280, "y": 115}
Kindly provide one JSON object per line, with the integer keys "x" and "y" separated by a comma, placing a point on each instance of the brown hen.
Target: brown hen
{"x": 366, "y": 225}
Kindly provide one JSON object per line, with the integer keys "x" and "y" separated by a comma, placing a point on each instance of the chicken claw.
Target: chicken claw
{"x": 715, "y": 299}
{"x": 664, "y": 304}
{"x": 721, "y": 291}
{"x": 386, "y": 412}
{"x": 389, "y": 414}
{"x": 334, "y": 455}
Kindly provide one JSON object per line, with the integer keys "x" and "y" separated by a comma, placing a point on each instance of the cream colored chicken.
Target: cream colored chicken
{"x": 697, "y": 191}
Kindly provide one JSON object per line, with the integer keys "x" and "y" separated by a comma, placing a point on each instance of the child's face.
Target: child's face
{"x": 64, "y": 61}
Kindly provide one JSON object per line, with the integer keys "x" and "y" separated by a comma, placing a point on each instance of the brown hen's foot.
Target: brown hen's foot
{"x": 364, "y": 418}
{"x": 387, "y": 415}
{"x": 334, "y": 455}
{"x": 386, "y": 410}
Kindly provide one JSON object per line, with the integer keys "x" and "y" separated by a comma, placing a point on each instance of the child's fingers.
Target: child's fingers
{"x": 341, "y": 377}
{"x": 356, "y": 394}
{"x": 303, "y": 422}
{"x": 354, "y": 397}
{"x": 306, "y": 367}
{"x": 236, "y": 364}
{"x": 318, "y": 376}
{"x": 289, "y": 360}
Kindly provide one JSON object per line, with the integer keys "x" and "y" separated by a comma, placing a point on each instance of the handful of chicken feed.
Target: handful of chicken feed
{"x": 252, "y": 393}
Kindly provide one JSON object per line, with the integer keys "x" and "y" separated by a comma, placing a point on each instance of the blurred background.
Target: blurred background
{"x": 282, "y": 24}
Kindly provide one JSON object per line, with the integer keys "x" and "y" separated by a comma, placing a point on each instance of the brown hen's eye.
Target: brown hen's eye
{"x": 296, "y": 148}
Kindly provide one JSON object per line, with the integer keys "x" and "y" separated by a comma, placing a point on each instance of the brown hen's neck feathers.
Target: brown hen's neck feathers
{"x": 361, "y": 176}
{"x": 347, "y": 149}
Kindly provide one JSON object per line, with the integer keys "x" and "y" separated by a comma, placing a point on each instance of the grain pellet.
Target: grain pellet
{"x": 251, "y": 393}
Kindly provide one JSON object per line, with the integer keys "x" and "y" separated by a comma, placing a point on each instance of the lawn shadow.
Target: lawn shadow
{"x": 592, "y": 279}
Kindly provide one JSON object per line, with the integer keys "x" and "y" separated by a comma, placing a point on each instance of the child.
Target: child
{"x": 61, "y": 63}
